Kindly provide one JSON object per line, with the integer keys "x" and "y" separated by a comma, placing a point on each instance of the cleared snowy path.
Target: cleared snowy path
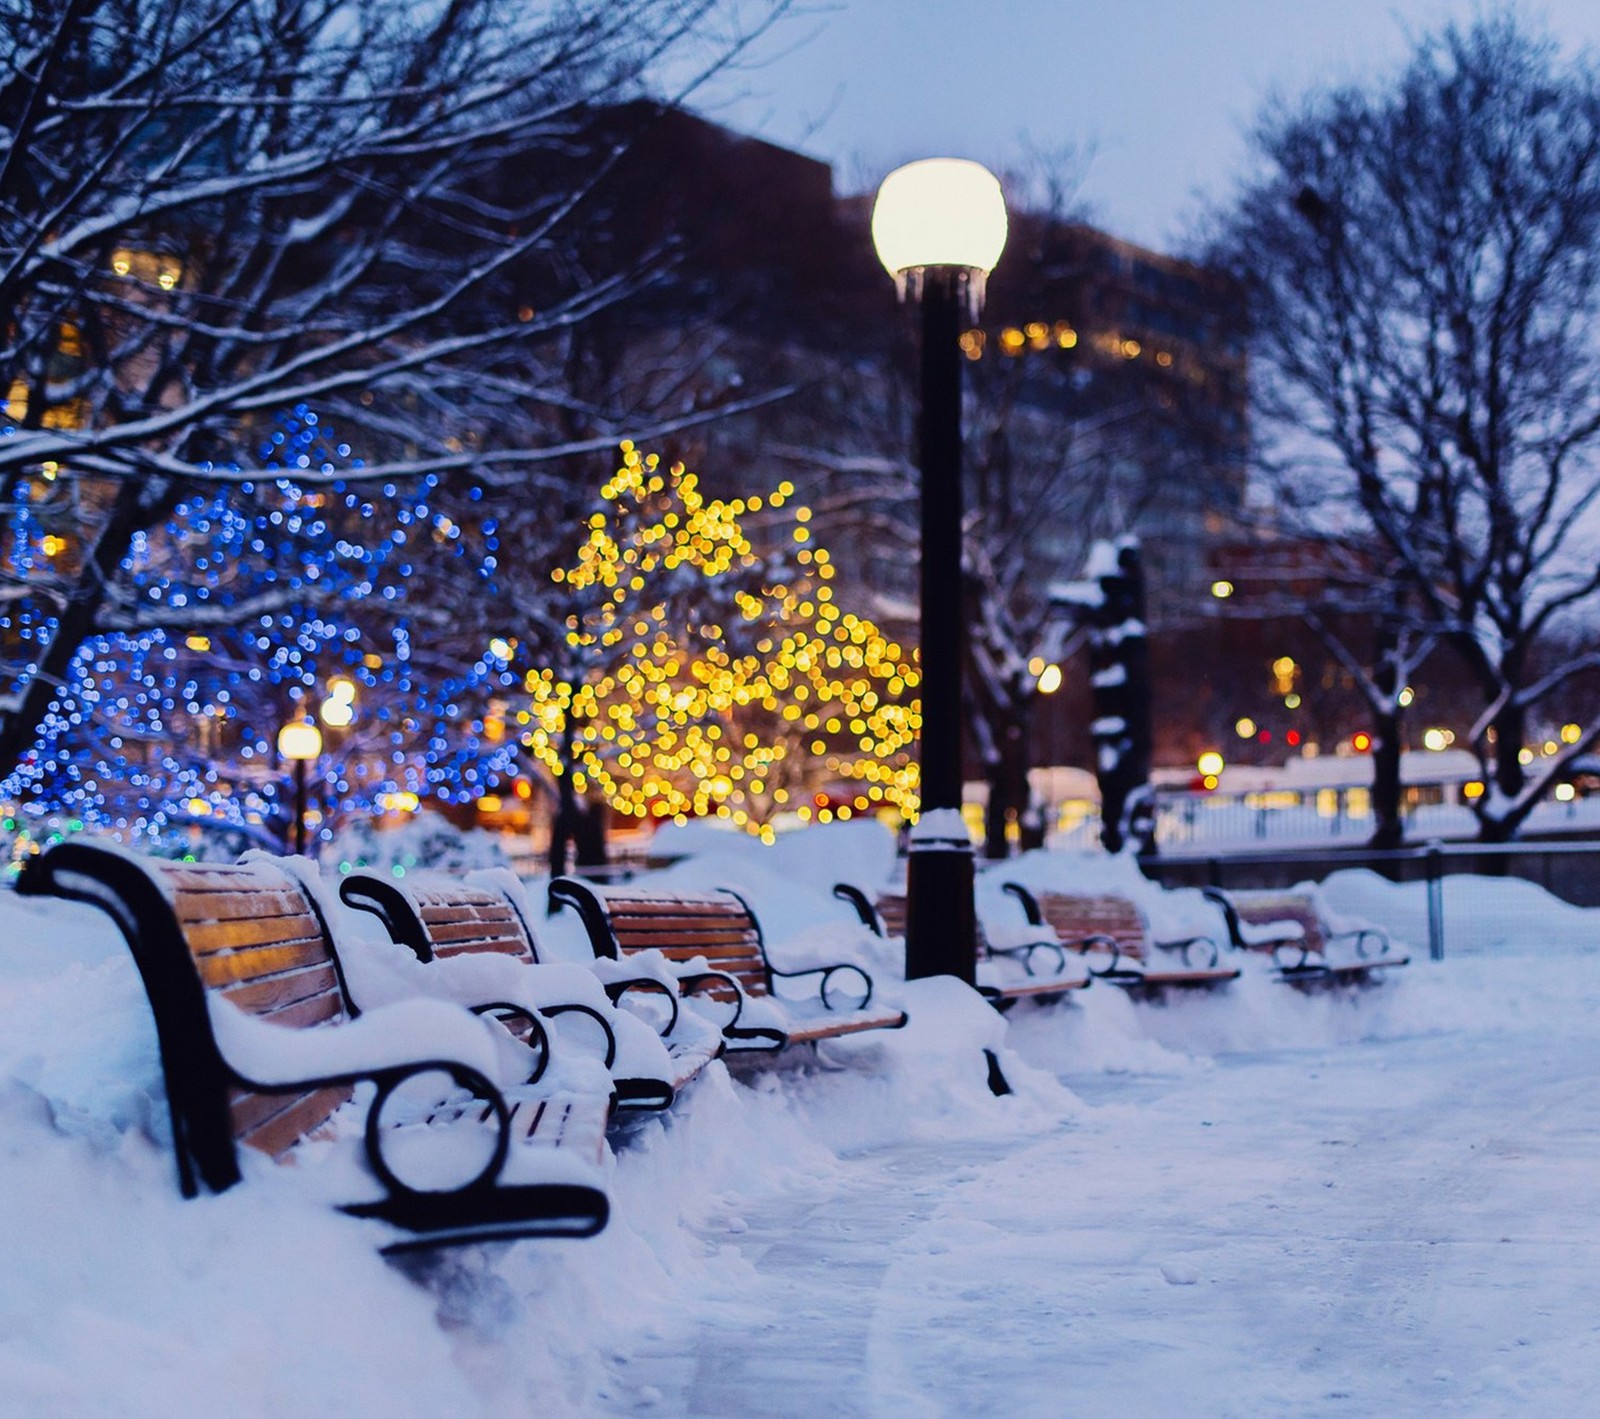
{"x": 1400, "y": 1226}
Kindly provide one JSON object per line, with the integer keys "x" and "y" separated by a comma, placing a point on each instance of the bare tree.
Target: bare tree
{"x": 211, "y": 210}
{"x": 1047, "y": 489}
{"x": 1421, "y": 263}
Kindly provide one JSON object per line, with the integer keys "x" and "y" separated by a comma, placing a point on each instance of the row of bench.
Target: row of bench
{"x": 474, "y": 1132}
{"x": 1108, "y": 936}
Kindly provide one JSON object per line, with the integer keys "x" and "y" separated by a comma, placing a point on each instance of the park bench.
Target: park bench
{"x": 1288, "y": 926}
{"x": 1113, "y": 925}
{"x": 1000, "y": 957}
{"x": 261, "y": 1048}
{"x": 445, "y": 919}
{"x": 713, "y": 945}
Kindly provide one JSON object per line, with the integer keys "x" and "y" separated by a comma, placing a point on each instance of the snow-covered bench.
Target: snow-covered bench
{"x": 712, "y": 944}
{"x": 443, "y": 919}
{"x": 1026, "y": 965}
{"x": 260, "y": 1047}
{"x": 1114, "y": 926}
{"x": 1288, "y": 926}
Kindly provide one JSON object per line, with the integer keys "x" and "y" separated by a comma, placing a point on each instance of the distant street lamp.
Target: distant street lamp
{"x": 939, "y": 227}
{"x": 300, "y": 742}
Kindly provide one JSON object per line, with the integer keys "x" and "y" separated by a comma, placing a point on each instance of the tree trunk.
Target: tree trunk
{"x": 1509, "y": 727}
{"x": 589, "y": 838}
{"x": 564, "y": 828}
{"x": 1009, "y": 793}
{"x": 135, "y": 507}
{"x": 1388, "y": 826}
{"x": 1119, "y": 666}
{"x": 1508, "y": 778}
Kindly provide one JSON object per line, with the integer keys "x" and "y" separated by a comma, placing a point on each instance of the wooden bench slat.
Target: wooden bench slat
{"x": 215, "y": 877}
{"x": 206, "y": 936}
{"x": 443, "y": 910}
{"x": 823, "y": 1029}
{"x": 1219, "y": 974}
{"x": 517, "y": 950}
{"x": 1033, "y": 988}
{"x": 223, "y": 968}
{"x": 299, "y": 1116}
{"x": 720, "y": 956}
{"x": 442, "y": 933}
{"x": 696, "y": 921}
{"x": 264, "y": 994}
{"x": 621, "y": 909}
{"x": 303, "y": 1014}
{"x": 234, "y": 905}
{"x": 648, "y": 939}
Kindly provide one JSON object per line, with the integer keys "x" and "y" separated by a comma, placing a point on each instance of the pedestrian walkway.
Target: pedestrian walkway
{"x": 1396, "y": 1227}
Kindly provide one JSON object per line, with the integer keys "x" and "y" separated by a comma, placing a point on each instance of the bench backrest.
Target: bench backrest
{"x": 1257, "y": 908}
{"x": 715, "y": 924}
{"x": 1076, "y": 915}
{"x": 442, "y": 918}
{"x": 249, "y": 932}
{"x": 891, "y": 911}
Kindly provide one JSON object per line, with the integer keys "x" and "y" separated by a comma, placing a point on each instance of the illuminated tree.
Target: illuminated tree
{"x": 214, "y": 209}
{"x": 249, "y": 609}
{"x": 702, "y": 676}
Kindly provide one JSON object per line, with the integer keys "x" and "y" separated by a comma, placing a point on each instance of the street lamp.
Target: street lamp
{"x": 300, "y": 742}
{"x": 939, "y": 227}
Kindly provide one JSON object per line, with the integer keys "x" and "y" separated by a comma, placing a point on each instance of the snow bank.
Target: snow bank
{"x": 119, "y": 1296}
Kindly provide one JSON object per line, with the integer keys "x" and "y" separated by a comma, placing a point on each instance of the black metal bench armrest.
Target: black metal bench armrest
{"x": 1230, "y": 915}
{"x": 1030, "y": 903}
{"x": 1281, "y": 960}
{"x": 365, "y": 892}
{"x": 589, "y": 1012}
{"x": 538, "y": 1037}
{"x": 617, "y": 989}
{"x": 1236, "y": 930}
{"x": 1371, "y": 941}
{"x": 1025, "y": 952}
{"x": 470, "y": 1080}
{"x": 1085, "y": 944}
{"x": 388, "y": 1078}
{"x": 847, "y": 892}
{"x": 700, "y": 982}
{"x": 1198, "y": 951}
{"x": 827, "y": 973}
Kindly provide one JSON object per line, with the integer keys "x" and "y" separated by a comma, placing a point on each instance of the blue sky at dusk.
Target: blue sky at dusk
{"x": 1159, "y": 91}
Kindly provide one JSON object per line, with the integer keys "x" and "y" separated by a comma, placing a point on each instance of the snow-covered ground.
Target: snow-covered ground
{"x": 1257, "y": 1203}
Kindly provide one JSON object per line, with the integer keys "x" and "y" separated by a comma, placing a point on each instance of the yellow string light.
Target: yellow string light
{"x": 670, "y": 720}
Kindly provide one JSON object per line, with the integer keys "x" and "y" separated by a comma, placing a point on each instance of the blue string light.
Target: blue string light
{"x": 158, "y": 729}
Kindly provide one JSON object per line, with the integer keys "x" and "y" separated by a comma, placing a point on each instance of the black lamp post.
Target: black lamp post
{"x": 300, "y": 742}
{"x": 939, "y": 226}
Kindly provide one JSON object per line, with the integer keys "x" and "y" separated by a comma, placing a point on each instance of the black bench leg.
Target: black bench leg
{"x": 997, "y": 1078}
